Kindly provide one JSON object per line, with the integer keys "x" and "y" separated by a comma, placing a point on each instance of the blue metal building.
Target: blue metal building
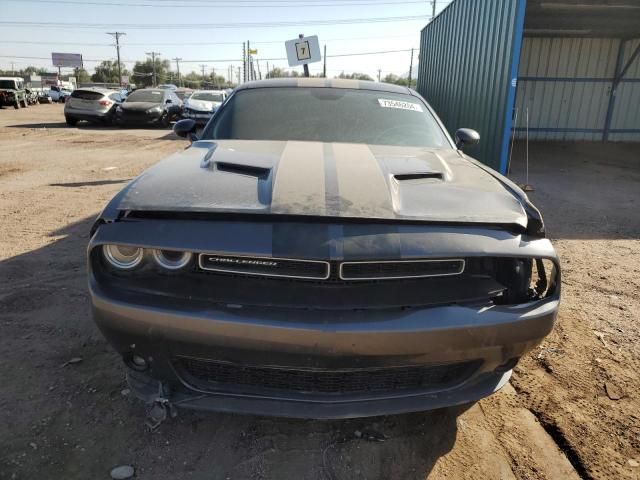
{"x": 571, "y": 66}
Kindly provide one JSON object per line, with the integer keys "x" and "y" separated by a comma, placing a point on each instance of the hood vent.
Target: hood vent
{"x": 419, "y": 176}
{"x": 241, "y": 169}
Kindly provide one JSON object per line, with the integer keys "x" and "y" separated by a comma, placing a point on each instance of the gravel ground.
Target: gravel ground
{"x": 570, "y": 411}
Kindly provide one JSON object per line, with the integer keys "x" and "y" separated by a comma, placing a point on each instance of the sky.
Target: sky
{"x": 200, "y": 31}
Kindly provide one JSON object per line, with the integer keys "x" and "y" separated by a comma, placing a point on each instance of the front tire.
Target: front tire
{"x": 24, "y": 103}
{"x": 165, "y": 121}
{"x": 72, "y": 122}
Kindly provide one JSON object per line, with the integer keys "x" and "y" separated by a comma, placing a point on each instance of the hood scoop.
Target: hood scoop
{"x": 403, "y": 177}
{"x": 241, "y": 169}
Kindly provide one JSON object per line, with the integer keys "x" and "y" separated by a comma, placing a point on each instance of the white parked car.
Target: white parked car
{"x": 202, "y": 104}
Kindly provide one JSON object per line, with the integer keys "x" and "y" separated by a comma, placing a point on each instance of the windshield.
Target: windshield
{"x": 208, "y": 96}
{"x": 153, "y": 96}
{"x": 327, "y": 115}
{"x": 8, "y": 84}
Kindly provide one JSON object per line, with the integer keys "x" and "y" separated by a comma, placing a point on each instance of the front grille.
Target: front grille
{"x": 400, "y": 269}
{"x": 211, "y": 375}
{"x": 265, "y": 266}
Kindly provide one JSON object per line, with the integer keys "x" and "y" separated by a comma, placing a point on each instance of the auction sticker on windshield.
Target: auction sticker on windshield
{"x": 400, "y": 104}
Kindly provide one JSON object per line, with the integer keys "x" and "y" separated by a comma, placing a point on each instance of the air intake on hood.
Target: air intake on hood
{"x": 419, "y": 176}
{"x": 241, "y": 169}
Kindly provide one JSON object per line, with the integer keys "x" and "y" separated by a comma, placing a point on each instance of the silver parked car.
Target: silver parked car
{"x": 91, "y": 104}
{"x": 202, "y": 104}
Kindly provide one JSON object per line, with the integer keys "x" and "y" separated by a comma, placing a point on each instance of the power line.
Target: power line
{"x": 219, "y": 60}
{"x": 180, "y": 26}
{"x": 162, "y": 44}
{"x": 227, "y": 5}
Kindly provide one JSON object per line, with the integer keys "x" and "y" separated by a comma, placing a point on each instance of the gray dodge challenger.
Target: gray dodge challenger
{"x": 322, "y": 249}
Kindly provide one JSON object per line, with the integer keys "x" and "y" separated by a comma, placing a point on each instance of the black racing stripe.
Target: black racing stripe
{"x": 332, "y": 193}
{"x": 301, "y": 240}
{"x": 371, "y": 242}
{"x": 336, "y": 239}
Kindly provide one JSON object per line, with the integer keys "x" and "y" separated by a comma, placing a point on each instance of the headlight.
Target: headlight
{"x": 154, "y": 110}
{"x": 172, "y": 260}
{"x": 123, "y": 257}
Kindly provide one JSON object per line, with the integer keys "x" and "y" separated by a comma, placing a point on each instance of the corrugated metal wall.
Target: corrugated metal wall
{"x": 468, "y": 64}
{"x": 625, "y": 123}
{"x": 566, "y": 84}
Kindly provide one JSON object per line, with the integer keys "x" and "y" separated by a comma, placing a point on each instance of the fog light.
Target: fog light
{"x": 138, "y": 363}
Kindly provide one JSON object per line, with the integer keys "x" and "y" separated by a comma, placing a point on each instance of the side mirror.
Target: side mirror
{"x": 466, "y": 137}
{"x": 186, "y": 128}
{"x": 168, "y": 100}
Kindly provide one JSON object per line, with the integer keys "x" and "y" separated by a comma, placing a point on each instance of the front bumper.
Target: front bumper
{"x": 163, "y": 330}
{"x": 138, "y": 118}
{"x": 198, "y": 117}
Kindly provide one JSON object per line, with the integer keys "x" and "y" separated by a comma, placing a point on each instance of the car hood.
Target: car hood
{"x": 202, "y": 105}
{"x": 326, "y": 179}
{"x": 138, "y": 106}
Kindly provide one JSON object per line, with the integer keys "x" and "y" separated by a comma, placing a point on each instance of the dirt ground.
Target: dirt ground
{"x": 572, "y": 409}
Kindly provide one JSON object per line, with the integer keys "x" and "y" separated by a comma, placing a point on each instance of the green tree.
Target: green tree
{"x": 395, "y": 79}
{"x": 143, "y": 72}
{"x": 107, "y": 72}
{"x": 355, "y": 76}
{"x": 30, "y": 70}
{"x": 282, "y": 73}
{"x": 82, "y": 76}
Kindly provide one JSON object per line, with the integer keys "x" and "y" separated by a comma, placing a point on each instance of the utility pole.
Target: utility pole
{"x": 411, "y": 68}
{"x": 306, "y": 65}
{"x": 177, "y": 59}
{"x": 239, "y": 73}
{"x": 433, "y": 12}
{"x": 249, "y": 60}
{"x": 153, "y": 60}
{"x": 267, "y": 74}
{"x": 117, "y": 36}
{"x": 258, "y": 66}
{"x": 12, "y": 70}
{"x": 244, "y": 63}
{"x": 379, "y": 73}
{"x": 203, "y": 77}
{"x": 324, "y": 59}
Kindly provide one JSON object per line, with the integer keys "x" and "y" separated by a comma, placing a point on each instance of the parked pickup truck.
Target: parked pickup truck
{"x": 58, "y": 94}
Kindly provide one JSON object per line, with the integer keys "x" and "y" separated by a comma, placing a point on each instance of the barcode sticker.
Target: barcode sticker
{"x": 400, "y": 104}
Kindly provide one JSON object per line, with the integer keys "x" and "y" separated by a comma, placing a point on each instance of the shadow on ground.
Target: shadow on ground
{"x": 82, "y": 424}
{"x": 586, "y": 190}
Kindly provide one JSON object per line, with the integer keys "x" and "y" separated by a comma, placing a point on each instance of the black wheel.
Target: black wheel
{"x": 24, "y": 103}
{"x": 165, "y": 121}
{"x": 71, "y": 121}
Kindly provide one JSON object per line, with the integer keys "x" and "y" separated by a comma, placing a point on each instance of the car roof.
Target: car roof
{"x": 209, "y": 91}
{"x": 97, "y": 89}
{"x": 326, "y": 83}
